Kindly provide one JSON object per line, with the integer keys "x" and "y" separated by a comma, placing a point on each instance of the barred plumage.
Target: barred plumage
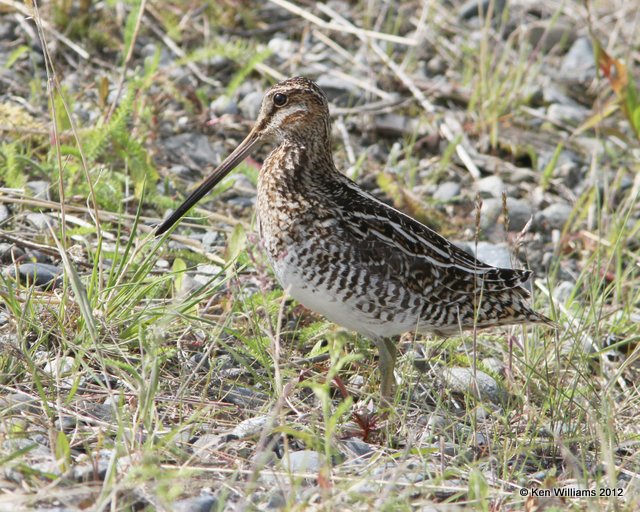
{"x": 343, "y": 253}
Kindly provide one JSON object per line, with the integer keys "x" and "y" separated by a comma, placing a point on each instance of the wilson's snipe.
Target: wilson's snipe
{"x": 343, "y": 253}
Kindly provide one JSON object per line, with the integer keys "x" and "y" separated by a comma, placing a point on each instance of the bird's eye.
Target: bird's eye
{"x": 279, "y": 100}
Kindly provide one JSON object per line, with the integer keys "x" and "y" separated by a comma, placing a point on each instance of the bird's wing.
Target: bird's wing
{"x": 382, "y": 237}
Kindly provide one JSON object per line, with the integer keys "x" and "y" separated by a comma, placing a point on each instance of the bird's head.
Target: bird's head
{"x": 292, "y": 110}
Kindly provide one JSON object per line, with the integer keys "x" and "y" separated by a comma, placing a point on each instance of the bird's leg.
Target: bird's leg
{"x": 386, "y": 363}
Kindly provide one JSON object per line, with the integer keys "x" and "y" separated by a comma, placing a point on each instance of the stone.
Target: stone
{"x": 338, "y": 90}
{"x": 519, "y": 212}
{"x": 184, "y": 173}
{"x": 36, "y": 274}
{"x": 550, "y": 35}
{"x": 475, "y": 8}
{"x": 95, "y": 471}
{"x": 552, "y": 93}
{"x": 494, "y": 365}
{"x": 190, "y": 149}
{"x": 282, "y": 49}
{"x": 563, "y": 291}
{"x": 42, "y": 221}
{"x": 59, "y": 366}
{"x": 359, "y": 448}
{"x": 482, "y": 386}
{"x": 4, "y": 213}
{"x": 303, "y": 461}
{"x": 394, "y": 125}
{"x": 578, "y": 65}
{"x": 566, "y": 114}
{"x": 491, "y": 186}
{"x": 10, "y": 253}
{"x": 554, "y": 216}
{"x": 20, "y": 402}
{"x": 39, "y": 189}
{"x": 490, "y": 212}
{"x": 250, "y": 105}
{"x": 498, "y": 255}
{"x": 250, "y": 427}
{"x": 447, "y": 191}
{"x": 203, "y": 503}
{"x": 224, "y": 105}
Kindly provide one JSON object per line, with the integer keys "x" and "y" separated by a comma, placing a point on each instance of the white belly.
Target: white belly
{"x": 356, "y": 313}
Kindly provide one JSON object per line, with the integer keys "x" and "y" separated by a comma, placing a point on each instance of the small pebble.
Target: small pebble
{"x": 303, "y": 461}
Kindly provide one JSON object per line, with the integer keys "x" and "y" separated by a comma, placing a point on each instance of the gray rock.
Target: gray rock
{"x": 446, "y": 191}
{"x": 93, "y": 472}
{"x": 282, "y": 48}
{"x": 338, "y": 90}
{"x": 36, "y": 274}
{"x": 563, "y": 114}
{"x": 184, "y": 173}
{"x": 567, "y": 167}
{"x": 34, "y": 449}
{"x": 482, "y": 386}
{"x": 303, "y": 461}
{"x": 554, "y": 216}
{"x": 494, "y": 365}
{"x": 490, "y": 212}
{"x": 547, "y": 37}
{"x": 20, "y": 402}
{"x": 563, "y": 291}
{"x": 211, "y": 240}
{"x": 191, "y": 149}
{"x": 103, "y": 412}
{"x": 207, "y": 273}
{"x": 519, "y": 212}
{"x": 224, "y": 105}
{"x": 42, "y": 221}
{"x": 497, "y": 255}
{"x": 578, "y": 65}
{"x": 198, "y": 362}
{"x": 250, "y": 427}
{"x": 445, "y": 489}
{"x": 491, "y": 186}
{"x": 209, "y": 444}
{"x": 394, "y": 125}
{"x": 39, "y": 189}
{"x": 10, "y": 253}
{"x": 250, "y": 105}
{"x": 148, "y": 51}
{"x": 4, "y": 213}
{"x": 59, "y": 365}
{"x": 359, "y": 448}
{"x": 6, "y": 32}
{"x": 204, "y": 503}
{"x": 277, "y": 499}
{"x": 552, "y": 93}
{"x": 474, "y": 8}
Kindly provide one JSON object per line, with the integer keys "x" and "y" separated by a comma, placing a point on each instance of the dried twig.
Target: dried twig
{"x": 443, "y": 128}
{"x": 25, "y": 11}
{"x": 371, "y": 34}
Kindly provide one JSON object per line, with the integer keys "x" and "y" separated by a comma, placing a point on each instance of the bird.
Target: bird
{"x": 347, "y": 255}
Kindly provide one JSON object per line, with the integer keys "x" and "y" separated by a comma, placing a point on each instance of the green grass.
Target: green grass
{"x": 106, "y": 381}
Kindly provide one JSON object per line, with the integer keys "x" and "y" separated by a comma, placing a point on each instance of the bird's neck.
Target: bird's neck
{"x": 299, "y": 164}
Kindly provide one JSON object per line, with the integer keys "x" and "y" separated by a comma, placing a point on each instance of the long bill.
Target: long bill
{"x": 229, "y": 163}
